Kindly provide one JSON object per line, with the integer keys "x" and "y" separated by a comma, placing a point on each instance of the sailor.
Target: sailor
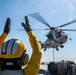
{"x": 6, "y": 31}
{"x": 13, "y": 55}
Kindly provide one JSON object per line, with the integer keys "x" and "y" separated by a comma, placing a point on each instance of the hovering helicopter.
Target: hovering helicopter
{"x": 56, "y": 37}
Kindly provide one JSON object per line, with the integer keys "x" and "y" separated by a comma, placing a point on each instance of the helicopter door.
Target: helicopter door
{"x": 56, "y": 35}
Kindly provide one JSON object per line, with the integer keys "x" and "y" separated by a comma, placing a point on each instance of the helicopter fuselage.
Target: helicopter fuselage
{"x": 55, "y": 38}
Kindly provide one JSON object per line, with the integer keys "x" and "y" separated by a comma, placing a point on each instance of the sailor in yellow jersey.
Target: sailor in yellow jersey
{"x": 6, "y": 31}
{"x": 13, "y": 55}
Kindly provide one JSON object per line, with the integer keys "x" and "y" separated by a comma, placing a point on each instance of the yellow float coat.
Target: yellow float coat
{"x": 2, "y": 38}
{"x": 34, "y": 63}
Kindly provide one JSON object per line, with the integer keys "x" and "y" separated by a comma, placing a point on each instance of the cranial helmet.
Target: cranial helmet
{"x": 14, "y": 49}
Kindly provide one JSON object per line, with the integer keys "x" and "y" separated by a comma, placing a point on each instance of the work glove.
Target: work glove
{"x": 7, "y": 26}
{"x": 26, "y": 25}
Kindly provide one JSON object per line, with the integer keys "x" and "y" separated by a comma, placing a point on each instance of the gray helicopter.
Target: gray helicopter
{"x": 56, "y": 37}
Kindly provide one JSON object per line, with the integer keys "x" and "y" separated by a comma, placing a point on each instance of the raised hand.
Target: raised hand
{"x": 7, "y": 26}
{"x": 26, "y": 25}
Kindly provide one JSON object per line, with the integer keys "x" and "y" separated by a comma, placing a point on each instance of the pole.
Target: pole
{"x": 53, "y": 55}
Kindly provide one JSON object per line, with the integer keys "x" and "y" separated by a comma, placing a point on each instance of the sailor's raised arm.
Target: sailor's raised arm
{"x": 5, "y": 32}
{"x": 34, "y": 63}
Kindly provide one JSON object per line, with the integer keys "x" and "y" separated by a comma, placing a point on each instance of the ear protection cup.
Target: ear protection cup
{"x": 23, "y": 60}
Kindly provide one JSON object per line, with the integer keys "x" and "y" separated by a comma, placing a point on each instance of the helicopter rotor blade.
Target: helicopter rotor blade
{"x": 67, "y": 24}
{"x": 20, "y": 29}
{"x": 38, "y": 17}
{"x": 41, "y": 29}
{"x": 69, "y": 29}
{"x": 32, "y": 29}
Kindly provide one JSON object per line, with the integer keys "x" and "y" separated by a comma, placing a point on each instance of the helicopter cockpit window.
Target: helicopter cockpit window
{"x": 58, "y": 34}
{"x": 49, "y": 36}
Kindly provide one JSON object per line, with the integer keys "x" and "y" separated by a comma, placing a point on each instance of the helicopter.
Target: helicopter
{"x": 56, "y": 37}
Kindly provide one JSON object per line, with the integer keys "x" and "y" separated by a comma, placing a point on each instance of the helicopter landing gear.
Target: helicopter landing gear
{"x": 57, "y": 49}
{"x": 70, "y": 39}
{"x": 45, "y": 49}
{"x": 61, "y": 46}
